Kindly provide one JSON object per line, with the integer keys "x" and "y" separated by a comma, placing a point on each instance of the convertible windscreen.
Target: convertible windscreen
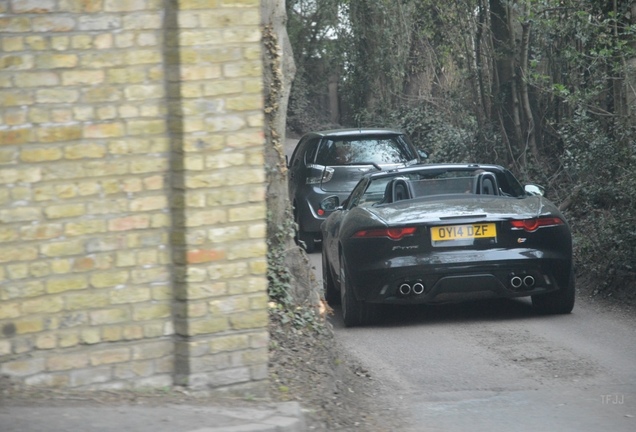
{"x": 388, "y": 189}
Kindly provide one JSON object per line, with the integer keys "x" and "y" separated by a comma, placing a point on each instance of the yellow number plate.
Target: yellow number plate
{"x": 463, "y": 232}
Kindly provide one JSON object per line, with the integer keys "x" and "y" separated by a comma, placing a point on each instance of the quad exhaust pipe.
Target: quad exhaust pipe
{"x": 517, "y": 282}
{"x": 528, "y": 281}
{"x": 418, "y": 288}
{"x": 406, "y": 288}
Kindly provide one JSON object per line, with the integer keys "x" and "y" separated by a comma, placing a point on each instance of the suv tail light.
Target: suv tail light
{"x": 319, "y": 174}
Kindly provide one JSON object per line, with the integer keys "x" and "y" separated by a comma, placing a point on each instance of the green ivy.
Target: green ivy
{"x": 282, "y": 306}
{"x": 604, "y": 215}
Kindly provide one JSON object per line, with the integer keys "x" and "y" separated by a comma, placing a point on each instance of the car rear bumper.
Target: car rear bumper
{"x": 307, "y": 205}
{"x": 455, "y": 276}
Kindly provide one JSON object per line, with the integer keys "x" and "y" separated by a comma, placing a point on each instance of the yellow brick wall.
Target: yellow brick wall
{"x": 132, "y": 199}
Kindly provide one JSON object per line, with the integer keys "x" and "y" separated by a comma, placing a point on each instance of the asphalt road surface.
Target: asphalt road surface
{"x": 495, "y": 366}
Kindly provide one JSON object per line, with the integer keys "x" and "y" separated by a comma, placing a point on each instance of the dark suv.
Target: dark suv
{"x": 328, "y": 163}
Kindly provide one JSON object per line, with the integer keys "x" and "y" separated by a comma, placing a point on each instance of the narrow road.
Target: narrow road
{"x": 496, "y": 366}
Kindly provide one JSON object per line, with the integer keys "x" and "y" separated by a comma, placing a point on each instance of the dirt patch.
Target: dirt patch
{"x": 339, "y": 394}
{"x": 619, "y": 296}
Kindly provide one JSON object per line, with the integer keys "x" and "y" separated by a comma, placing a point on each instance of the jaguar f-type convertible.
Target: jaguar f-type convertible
{"x": 441, "y": 233}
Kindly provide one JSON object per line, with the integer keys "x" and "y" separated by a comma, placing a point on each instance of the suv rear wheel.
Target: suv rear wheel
{"x": 305, "y": 239}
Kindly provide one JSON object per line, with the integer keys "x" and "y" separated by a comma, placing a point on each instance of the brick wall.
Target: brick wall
{"x": 132, "y": 205}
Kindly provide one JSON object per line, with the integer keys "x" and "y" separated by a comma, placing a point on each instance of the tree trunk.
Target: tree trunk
{"x": 515, "y": 108}
{"x": 481, "y": 68}
{"x": 503, "y": 85}
{"x": 334, "y": 101}
{"x": 630, "y": 76}
{"x": 278, "y": 73}
{"x": 527, "y": 109}
{"x": 279, "y": 70}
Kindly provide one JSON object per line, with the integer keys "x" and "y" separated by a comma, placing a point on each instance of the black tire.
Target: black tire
{"x": 558, "y": 302}
{"x": 354, "y": 311}
{"x": 332, "y": 296}
{"x": 306, "y": 241}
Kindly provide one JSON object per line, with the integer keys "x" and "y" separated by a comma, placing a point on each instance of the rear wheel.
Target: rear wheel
{"x": 305, "y": 239}
{"x": 558, "y": 302}
{"x": 354, "y": 311}
{"x": 329, "y": 287}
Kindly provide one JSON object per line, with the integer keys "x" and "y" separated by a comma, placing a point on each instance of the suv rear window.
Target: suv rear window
{"x": 380, "y": 150}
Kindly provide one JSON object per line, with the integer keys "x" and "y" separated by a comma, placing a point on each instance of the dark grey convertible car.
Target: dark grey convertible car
{"x": 444, "y": 232}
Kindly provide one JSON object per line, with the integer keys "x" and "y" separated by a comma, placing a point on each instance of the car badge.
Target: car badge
{"x": 521, "y": 240}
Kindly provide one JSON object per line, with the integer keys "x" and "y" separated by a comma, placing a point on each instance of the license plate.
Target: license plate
{"x": 463, "y": 232}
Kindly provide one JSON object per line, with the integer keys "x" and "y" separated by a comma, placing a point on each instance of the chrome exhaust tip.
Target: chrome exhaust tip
{"x": 515, "y": 281}
{"x": 528, "y": 281}
{"x": 418, "y": 288}
{"x": 405, "y": 289}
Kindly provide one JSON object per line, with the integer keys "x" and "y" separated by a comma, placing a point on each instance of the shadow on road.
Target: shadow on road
{"x": 456, "y": 313}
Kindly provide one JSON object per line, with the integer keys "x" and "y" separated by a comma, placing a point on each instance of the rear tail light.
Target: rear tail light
{"x": 534, "y": 224}
{"x": 392, "y": 233}
{"x": 319, "y": 174}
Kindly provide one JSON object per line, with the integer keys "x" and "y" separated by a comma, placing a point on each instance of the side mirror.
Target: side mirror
{"x": 533, "y": 189}
{"x": 330, "y": 203}
{"x": 287, "y": 161}
{"x": 423, "y": 154}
